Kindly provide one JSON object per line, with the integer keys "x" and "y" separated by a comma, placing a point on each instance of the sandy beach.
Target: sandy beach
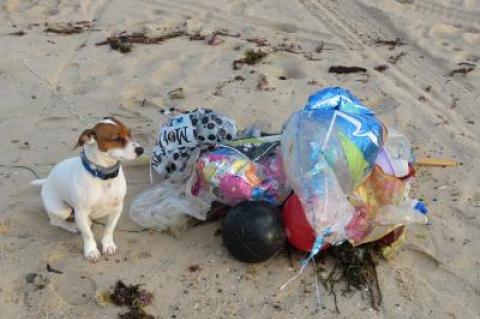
{"x": 54, "y": 85}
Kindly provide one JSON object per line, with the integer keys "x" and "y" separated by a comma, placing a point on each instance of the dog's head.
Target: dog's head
{"x": 112, "y": 137}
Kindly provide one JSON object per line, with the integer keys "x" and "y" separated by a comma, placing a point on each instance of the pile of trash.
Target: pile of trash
{"x": 335, "y": 174}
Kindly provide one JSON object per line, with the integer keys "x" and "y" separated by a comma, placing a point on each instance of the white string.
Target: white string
{"x": 55, "y": 92}
{"x": 304, "y": 265}
{"x": 329, "y": 132}
{"x": 317, "y": 287}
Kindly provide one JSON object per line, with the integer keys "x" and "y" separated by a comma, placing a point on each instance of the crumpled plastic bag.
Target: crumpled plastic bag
{"x": 351, "y": 174}
{"x": 247, "y": 170}
{"x": 329, "y": 148}
{"x": 395, "y": 155}
{"x": 165, "y": 206}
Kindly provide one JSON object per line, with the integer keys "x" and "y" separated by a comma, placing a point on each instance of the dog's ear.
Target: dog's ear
{"x": 86, "y": 137}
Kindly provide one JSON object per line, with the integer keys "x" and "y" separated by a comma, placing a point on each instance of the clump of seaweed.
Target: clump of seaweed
{"x": 134, "y": 298}
{"x": 69, "y": 27}
{"x": 357, "y": 268}
{"x": 466, "y": 68}
{"x": 396, "y": 58}
{"x": 341, "y": 69}
{"x": 124, "y": 42}
{"x": 381, "y": 67}
{"x": 391, "y": 43}
{"x": 251, "y": 57}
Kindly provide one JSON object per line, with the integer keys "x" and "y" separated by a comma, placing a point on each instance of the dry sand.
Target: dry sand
{"x": 435, "y": 275}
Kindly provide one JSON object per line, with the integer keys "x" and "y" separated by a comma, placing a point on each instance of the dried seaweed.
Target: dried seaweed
{"x": 260, "y": 42}
{"x": 214, "y": 39}
{"x": 467, "y": 68}
{"x": 341, "y": 69}
{"x": 226, "y": 33}
{"x": 356, "y": 267}
{"x": 391, "y": 43}
{"x": 193, "y": 268}
{"x": 381, "y": 67}
{"x": 51, "y": 269}
{"x": 394, "y": 59}
{"x": 134, "y": 298}
{"x": 196, "y": 36}
{"x": 251, "y": 57}
{"x": 19, "y": 33}
{"x": 69, "y": 27}
{"x": 135, "y": 313}
{"x": 297, "y": 49}
{"x": 263, "y": 84}
{"x": 124, "y": 42}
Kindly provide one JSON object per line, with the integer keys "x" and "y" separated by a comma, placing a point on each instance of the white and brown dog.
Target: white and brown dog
{"x": 92, "y": 185}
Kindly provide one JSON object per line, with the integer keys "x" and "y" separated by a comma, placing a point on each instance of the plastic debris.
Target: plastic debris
{"x": 184, "y": 134}
{"x": 351, "y": 177}
{"x": 329, "y": 147}
{"x": 166, "y": 207}
{"x": 394, "y": 156}
{"x": 350, "y": 174}
{"x": 382, "y": 204}
{"x": 300, "y": 233}
{"x": 247, "y": 170}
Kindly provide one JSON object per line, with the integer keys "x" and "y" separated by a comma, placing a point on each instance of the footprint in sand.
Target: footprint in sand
{"x": 294, "y": 70}
{"x": 53, "y": 122}
{"x": 238, "y": 9}
{"x": 74, "y": 288}
{"x": 286, "y": 27}
{"x": 472, "y": 38}
{"x": 53, "y": 11}
{"x": 70, "y": 79}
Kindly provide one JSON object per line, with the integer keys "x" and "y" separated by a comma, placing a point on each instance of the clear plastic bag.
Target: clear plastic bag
{"x": 246, "y": 171}
{"x": 165, "y": 206}
{"x": 400, "y": 214}
{"x": 395, "y": 154}
{"x": 328, "y": 149}
{"x": 381, "y": 204}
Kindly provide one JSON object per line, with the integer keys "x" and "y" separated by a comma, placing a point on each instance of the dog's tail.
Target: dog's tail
{"x": 38, "y": 182}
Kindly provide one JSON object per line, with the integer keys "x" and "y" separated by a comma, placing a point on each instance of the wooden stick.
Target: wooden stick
{"x": 435, "y": 162}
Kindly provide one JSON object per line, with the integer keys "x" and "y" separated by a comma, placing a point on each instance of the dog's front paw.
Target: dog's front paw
{"x": 92, "y": 254}
{"x": 109, "y": 248}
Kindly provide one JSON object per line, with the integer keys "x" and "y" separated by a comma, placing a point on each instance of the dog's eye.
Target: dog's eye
{"x": 118, "y": 139}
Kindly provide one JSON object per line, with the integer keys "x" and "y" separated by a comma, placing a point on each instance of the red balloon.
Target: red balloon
{"x": 299, "y": 232}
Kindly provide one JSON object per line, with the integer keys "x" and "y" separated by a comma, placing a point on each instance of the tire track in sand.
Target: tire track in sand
{"x": 401, "y": 79}
{"x": 207, "y": 13}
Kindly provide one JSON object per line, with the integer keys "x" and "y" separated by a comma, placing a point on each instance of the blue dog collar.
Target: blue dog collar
{"x": 99, "y": 171}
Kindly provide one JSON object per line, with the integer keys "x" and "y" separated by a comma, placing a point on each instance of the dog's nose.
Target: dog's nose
{"x": 139, "y": 150}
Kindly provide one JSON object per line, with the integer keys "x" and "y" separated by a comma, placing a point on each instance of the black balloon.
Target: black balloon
{"x": 253, "y": 231}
